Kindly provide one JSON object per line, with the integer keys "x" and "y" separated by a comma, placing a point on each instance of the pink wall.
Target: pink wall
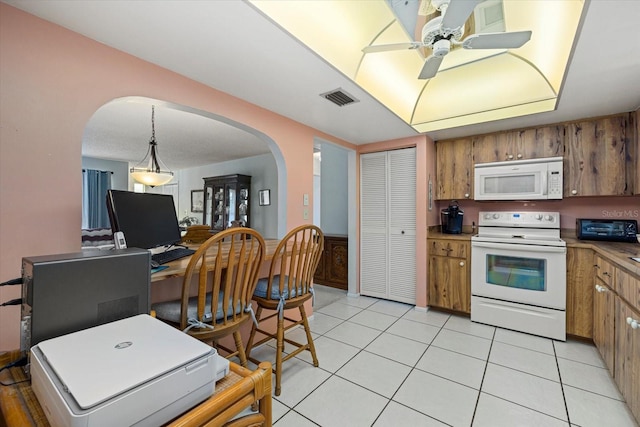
{"x": 570, "y": 209}
{"x": 52, "y": 81}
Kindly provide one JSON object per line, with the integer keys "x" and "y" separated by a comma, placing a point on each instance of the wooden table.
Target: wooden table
{"x": 240, "y": 389}
{"x": 178, "y": 267}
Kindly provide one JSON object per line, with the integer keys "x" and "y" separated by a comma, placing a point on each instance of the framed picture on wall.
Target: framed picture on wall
{"x": 197, "y": 200}
{"x": 264, "y": 197}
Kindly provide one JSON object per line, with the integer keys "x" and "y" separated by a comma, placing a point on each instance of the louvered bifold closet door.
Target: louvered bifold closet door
{"x": 373, "y": 225}
{"x": 388, "y": 225}
{"x": 402, "y": 225}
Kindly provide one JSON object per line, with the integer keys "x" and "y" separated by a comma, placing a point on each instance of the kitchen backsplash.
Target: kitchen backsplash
{"x": 569, "y": 208}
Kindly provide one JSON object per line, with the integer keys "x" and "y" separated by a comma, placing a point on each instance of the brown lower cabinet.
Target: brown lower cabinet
{"x": 579, "y": 293}
{"x": 449, "y": 275}
{"x": 333, "y": 269}
{"x": 627, "y": 344}
{"x": 627, "y": 361}
{"x": 604, "y": 304}
{"x": 616, "y": 327}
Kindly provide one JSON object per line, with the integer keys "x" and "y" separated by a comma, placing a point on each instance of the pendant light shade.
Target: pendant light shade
{"x": 151, "y": 171}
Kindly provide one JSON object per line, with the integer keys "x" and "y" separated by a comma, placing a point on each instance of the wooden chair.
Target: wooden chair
{"x": 217, "y": 288}
{"x": 288, "y": 286}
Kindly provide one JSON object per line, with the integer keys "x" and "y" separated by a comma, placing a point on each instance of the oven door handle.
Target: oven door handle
{"x": 527, "y": 248}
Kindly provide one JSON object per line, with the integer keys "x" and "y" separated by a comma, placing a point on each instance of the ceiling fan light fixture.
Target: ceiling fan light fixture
{"x": 155, "y": 173}
{"x": 441, "y": 47}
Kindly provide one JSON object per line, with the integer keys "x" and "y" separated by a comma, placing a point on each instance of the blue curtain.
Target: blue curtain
{"x": 95, "y": 184}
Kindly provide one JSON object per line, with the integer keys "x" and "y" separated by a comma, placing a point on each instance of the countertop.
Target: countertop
{"x": 440, "y": 235}
{"x": 617, "y": 252}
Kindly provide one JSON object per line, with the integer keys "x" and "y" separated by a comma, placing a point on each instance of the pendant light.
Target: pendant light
{"x": 149, "y": 171}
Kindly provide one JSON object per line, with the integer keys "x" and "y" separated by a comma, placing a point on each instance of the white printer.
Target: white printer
{"x": 135, "y": 371}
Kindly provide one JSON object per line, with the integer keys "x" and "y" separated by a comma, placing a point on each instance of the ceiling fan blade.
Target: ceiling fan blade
{"x": 458, "y": 12}
{"x": 430, "y": 67}
{"x": 393, "y": 46}
{"x": 510, "y": 40}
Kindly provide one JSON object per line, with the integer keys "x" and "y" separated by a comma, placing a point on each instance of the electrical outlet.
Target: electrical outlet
{"x": 305, "y": 213}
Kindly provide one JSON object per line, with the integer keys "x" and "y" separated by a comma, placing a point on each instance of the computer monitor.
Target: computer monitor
{"x": 147, "y": 220}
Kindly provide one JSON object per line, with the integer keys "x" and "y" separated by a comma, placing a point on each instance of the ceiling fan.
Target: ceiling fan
{"x": 444, "y": 32}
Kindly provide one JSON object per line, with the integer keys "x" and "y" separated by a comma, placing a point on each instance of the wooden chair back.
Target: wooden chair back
{"x": 226, "y": 266}
{"x": 295, "y": 261}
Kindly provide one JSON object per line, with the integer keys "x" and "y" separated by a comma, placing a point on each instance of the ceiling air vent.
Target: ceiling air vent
{"x": 339, "y": 97}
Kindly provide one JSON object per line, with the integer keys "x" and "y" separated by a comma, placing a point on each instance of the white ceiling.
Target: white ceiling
{"x": 230, "y": 46}
{"x": 120, "y": 130}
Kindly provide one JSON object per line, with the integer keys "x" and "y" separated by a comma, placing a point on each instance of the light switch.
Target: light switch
{"x": 305, "y": 200}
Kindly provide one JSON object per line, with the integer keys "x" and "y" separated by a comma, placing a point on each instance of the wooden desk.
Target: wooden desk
{"x": 234, "y": 393}
{"x": 177, "y": 268}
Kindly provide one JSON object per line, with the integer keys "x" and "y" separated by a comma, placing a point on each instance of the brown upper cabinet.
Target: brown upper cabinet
{"x": 524, "y": 144}
{"x": 454, "y": 176}
{"x": 600, "y": 157}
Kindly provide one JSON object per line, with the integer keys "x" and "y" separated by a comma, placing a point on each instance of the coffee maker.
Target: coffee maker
{"x": 451, "y": 219}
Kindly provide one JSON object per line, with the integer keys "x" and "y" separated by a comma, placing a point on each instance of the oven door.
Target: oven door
{"x": 527, "y": 274}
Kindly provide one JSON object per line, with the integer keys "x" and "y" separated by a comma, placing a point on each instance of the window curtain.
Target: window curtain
{"x": 95, "y": 184}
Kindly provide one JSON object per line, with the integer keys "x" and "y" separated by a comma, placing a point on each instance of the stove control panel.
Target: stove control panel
{"x": 520, "y": 219}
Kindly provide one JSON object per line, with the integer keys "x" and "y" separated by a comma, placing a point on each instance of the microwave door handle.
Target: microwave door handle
{"x": 511, "y": 247}
{"x": 545, "y": 177}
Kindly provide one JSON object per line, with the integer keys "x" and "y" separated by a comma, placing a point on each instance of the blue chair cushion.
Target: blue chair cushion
{"x": 261, "y": 289}
{"x": 170, "y": 310}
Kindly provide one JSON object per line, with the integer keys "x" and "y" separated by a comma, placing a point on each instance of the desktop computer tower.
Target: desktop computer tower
{"x": 66, "y": 293}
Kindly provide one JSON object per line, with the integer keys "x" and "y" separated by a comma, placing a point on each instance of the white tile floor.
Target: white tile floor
{"x": 386, "y": 364}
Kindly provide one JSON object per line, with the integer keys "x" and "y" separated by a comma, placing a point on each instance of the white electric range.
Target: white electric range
{"x": 518, "y": 273}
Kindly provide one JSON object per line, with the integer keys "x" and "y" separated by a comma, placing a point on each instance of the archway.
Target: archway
{"x": 105, "y": 117}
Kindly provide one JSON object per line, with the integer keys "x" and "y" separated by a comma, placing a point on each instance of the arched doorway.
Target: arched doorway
{"x": 188, "y": 138}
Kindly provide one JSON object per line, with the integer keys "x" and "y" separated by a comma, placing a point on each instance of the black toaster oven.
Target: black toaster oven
{"x": 611, "y": 230}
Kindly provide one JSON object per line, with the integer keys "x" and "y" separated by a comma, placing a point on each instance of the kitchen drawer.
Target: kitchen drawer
{"x": 450, "y": 248}
{"x": 605, "y": 271}
{"x": 628, "y": 288}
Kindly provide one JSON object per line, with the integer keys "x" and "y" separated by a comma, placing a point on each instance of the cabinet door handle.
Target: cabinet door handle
{"x": 632, "y": 322}
{"x": 466, "y": 195}
{"x": 601, "y": 288}
{"x": 519, "y": 156}
{"x": 574, "y": 192}
{"x": 461, "y": 263}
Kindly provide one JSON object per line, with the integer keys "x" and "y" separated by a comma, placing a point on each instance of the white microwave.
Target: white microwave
{"x": 532, "y": 179}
